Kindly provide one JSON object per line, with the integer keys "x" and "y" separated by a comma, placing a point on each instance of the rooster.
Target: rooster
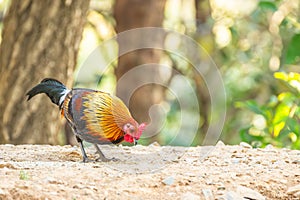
{"x": 96, "y": 117}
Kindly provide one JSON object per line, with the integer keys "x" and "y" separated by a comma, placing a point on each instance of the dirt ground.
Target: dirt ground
{"x": 149, "y": 172}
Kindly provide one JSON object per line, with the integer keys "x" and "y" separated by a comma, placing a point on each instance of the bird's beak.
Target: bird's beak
{"x": 134, "y": 141}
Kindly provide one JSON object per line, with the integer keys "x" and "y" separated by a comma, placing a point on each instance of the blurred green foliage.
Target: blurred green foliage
{"x": 262, "y": 40}
{"x": 277, "y": 121}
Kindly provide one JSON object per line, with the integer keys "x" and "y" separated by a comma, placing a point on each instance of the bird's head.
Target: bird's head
{"x": 133, "y": 131}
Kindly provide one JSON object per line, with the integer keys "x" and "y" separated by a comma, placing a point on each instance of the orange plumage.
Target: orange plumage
{"x": 96, "y": 117}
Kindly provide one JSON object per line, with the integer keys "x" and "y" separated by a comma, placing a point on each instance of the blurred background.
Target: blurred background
{"x": 254, "y": 43}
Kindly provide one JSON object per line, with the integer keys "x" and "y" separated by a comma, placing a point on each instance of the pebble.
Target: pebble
{"x": 230, "y": 195}
{"x": 208, "y": 195}
{"x": 190, "y": 160}
{"x": 249, "y": 193}
{"x": 171, "y": 193}
{"x": 209, "y": 182}
{"x": 52, "y": 180}
{"x": 189, "y": 196}
{"x": 9, "y": 145}
{"x": 296, "y": 162}
{"x": 235, "y": 161}
{"x": 220, "y": 186}
{"x": 7, "y": 165}
{"x": 269, "y": 146}
{"x": 169, "y": 180}
{"x": 237, "y": 155}
{"x": 220, "y": 144}
{"x": 297, "y": 194}
{"x": 78, "y": 186}
{"x": 294, "y": 190}
{"x": 155, "y": 144}
{"x": 297, "y": 173}
{"x": 2, "y": 192}
{"x": 245, "y": 145}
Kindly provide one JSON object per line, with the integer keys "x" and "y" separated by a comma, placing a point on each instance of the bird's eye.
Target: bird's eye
{"x": 131, "y": 130}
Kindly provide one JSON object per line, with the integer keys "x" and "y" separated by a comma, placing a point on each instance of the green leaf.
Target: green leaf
{"x": 287, "y": 98}
{"x": 290, "y": 81}
{"x": 246, "y": 137}
{"x": 293, "y": 50}
{"x": 251, "y": 105}
{"x": 267, "y": 5}
{"x": 293, "y": 126}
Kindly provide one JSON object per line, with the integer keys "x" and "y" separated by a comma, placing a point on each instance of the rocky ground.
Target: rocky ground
{"x": 150, "y": 172}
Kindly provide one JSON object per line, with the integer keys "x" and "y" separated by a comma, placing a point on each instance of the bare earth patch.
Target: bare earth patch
{"x": 149, "y": 172}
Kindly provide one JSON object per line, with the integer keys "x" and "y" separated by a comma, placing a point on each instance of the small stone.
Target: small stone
{"x": 7, "y": 165}
{"x": 296, "y": 162}
{"x": 293, "y": 190}
{"x": 231, "y": 196}
{"x": 190, "y": 160}
{"x": 297, "y": 195}
{"x": 189, "y": 196}
{"x": 258, "y": 162}
{"x": 269, "y": 146}
{"x": 220, "y": 144}
{"x": 208, "y": 195}
{"x": 190, "y": 174}
{"x": 2, "y": 192}
{"x": 92, "y": 187}
{"x": 209, "y": 182}
{"x": 245, "y": 145}
{"x": 169, "y": 180}
{"x": 9, "y": 145}
{"x": 235, "y": 161}
{"x": 237, "y": 155}
{"x": 171, "y": 193}
{"x": 52, "y": 180}
{"x": 78, "y": 186}
{"x": 249, "y": 193}
{"x": 283, "y": 181}
{"x": 220, "y": 186}
{"x": 220, "y": 192}
{"x": 155, "y": 144}
{"x": 286, "y": 174}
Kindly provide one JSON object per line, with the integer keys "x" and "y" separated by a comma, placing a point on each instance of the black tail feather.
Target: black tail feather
{"x": 53, "y": 88}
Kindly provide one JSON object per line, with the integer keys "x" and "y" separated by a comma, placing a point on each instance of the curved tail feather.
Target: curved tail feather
{"x": 54, "y": 89}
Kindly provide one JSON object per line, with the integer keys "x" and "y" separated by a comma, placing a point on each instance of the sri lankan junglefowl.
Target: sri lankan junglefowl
{"x": 96, "y": 117}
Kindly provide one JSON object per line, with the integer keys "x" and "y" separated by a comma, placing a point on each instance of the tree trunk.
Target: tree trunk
{"x": 202, "y": 33}
{"x": 40, "y": 39}
{"x": 130, "y": 14}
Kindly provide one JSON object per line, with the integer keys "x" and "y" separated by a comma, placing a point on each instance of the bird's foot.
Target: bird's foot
{"x": 104, "y": 159}
{"x": 87, "y": 160}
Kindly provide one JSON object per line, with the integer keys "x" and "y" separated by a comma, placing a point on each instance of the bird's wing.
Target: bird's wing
{"x": 95, "y": 116}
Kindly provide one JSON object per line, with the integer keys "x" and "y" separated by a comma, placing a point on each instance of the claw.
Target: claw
{"x": 106, "y": 159}
{"x": 87, "y": 160}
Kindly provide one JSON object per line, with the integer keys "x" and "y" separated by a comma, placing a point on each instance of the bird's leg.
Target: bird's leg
{"x": 102, "y": 156}
{"x": 84, "y": 156}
